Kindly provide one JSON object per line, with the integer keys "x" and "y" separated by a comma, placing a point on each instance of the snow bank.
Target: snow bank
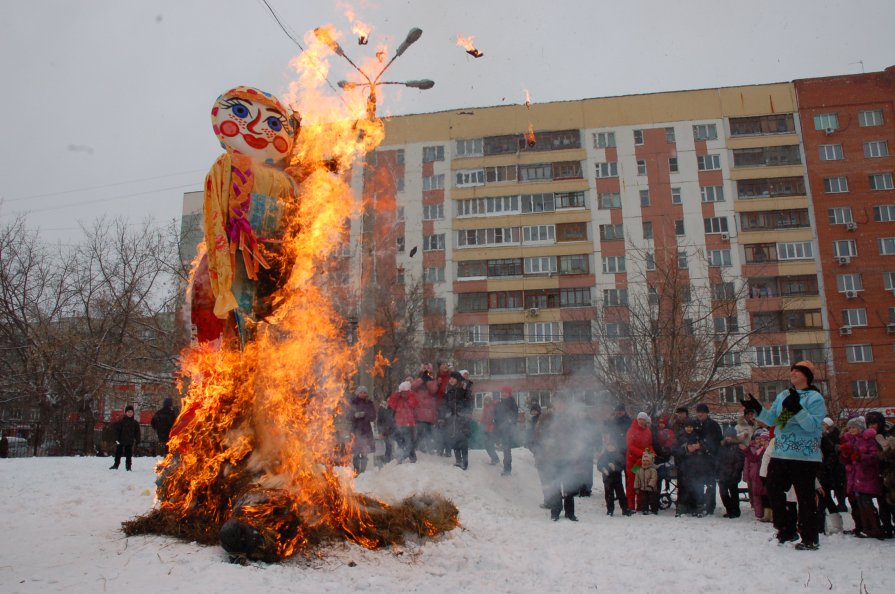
{"x": 60, "y": 518}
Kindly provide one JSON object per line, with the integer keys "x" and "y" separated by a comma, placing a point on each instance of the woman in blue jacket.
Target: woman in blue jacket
{"x": 797, "y": 414}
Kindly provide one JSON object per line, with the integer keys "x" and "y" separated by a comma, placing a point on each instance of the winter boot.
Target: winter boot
{"x": 568, "y": 504}
{"x": 870, "y": 521}
{"x": 768, "y": 516}
{"x": 834, "y": 523}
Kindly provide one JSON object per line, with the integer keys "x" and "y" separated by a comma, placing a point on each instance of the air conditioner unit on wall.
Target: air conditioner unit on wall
{"x": 533, "y": 311}
{"x": 843, "y": 260}
{"x": 851, "y": 294}
{"x": 725, "y": 236}
{"x": 845, "y": 331}
{"x": 890, "y": 327}
{"x": 851, "y": 226}
{"x": 830, "y": 131}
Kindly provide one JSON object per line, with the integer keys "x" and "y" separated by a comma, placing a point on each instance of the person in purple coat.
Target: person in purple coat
{"x": 860, "y": 453}
{"x": 362, "y": 414}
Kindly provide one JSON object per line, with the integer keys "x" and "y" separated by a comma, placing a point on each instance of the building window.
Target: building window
{"x": 881, "y": 181}
{"x": 506, "y": 333}
{"x": 830, "y": 152}
{"x": 859, "y": 353}
{"x": 870, "y": 117}
{"x": 399, "y": 214}
{"x": 712, "y": 193}
{"x": 543, "y": 365}
{"x": 854, "y": 317}
{"x": 771, "y": 356}
{"x": 613, "y": 264}
{"x": 540, "y": 265}
{"x": 644, "y": 198}
{"x": 676, "y": 196}
{"x": 839, "y": 215}
{"x": 472, "y": 269}
{"x": 505, "y": 267}
{"x": 608, "y": 169}
{"x": 715, "y": 224}
{"x": 679, "y": 227}
{"x": 836, "y": 185}
{"x": 771, "y": 187}
{"x": 433, "y": 153}
{"x": 886, "y": 246}
{"x": 433, "y": 242}
{"x": 731, "y": 359}
{"x": 399, "y": 243}
{"x": 544, "y": 332}
{"x": 399, "y": 183}
{"x": 641, "y": 167}
{"x": 576, "y": 297}
{"x": 507, "y": 366}
{"x": 725, "y": 291}
{"x": 538, "y": 233}
{"x": 649, "y": 260}
{"x": 399, "y": 276}
{"x": 433, "y": 182}
{"x": 538, "y": 203}
{"x": 719, "y": 258}
{"x": 610, "y": 200}
{"x": 569, "y": 199}
{"x": 435, "y": 305}
{"x": 708, "y": 162}
{"x": 769, "y": 124}
{"x": 884, "y": 213}
{"x": 889, "y": 281}
{"x": 669, "y": 135}
{"x": 612, "y": 232}
{"x": 500, "y": 173}
{"x": 537, "y": 172}
{"x": 845, "y": 248}
{"x": 571, "y": 232}
{"x": 726, "y": 325}
{"x": 433, "y": 212}
{"x": 574, "y": 264}
{"x": 826, "y": 121}
{"x": 876, "y": 148}
{"x": 647, "y": 230}
{"x": 682, "y": 261}
{"x": 672, "y": 165}
{"x": 471, "y": 147}
{"x": 795, "y": 250}
{"x": 705, "y": 132}
{"x": 604, "y": 139}
{"x": 433, "y": 274}
{"x": 470, "y": 177}
{"x": 767, "y": 156}
{"x": 467, "y": 302}
{"x": 638, "y": 136}
{"x": 849, "y": 282}
{"x": 612, "y": 297}
{"x": 863, "y": 389}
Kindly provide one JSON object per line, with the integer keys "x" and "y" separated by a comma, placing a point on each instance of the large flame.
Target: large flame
{"x": 256, "y": 441}
{"x": 468, "y": 43}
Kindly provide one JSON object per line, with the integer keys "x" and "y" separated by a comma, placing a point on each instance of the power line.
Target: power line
{"x": 100, "y": 200}
{"x": 87, "y": 188}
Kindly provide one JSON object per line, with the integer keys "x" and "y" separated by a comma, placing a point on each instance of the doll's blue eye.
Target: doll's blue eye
{"x": 240, "y": 110}
{"x": 274, "y": 123}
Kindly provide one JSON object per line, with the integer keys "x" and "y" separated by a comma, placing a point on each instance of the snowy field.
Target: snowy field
{"x": 60, "y": 520}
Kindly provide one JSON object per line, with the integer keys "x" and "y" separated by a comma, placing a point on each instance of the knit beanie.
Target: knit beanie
{"x": 858, "y": 422}
{"x": 404, "y": 387}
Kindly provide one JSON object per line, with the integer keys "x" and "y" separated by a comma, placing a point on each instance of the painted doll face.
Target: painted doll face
{"x": 253, "y": 123}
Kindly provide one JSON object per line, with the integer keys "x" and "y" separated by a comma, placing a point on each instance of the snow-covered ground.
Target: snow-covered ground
{"x": 60, "y": 521}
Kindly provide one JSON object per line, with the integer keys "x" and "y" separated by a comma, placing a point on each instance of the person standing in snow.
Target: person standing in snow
{"x": 646, "y": 485}
{"x": 638, "y": 439}
{"x": 611, "y": 464}
{"x": 506, "y": 417}
{"x": 362, "y": 414}
{"x": 561, "y": 437}
{"x": 731, "y": 458}
{"x": 127, "y": 435}
{"x": 709, "y": 432}
{"x": 458, "y": 416}
{"x": 162, "y": 421}
{"x": 798, "y": 414}
{"x": 488, "y": 436}
{"x": 860, "y": 453}
{"x": 403, "y": 403}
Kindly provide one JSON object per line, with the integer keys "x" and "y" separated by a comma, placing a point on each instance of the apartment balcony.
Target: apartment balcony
{"x": 764, "y": 204}
{"x": 760, "y": 140}
{"x": 761, "y": 171}
{"x": 776, "y": 235}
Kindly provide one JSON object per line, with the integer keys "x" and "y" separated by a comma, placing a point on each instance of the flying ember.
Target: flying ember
{"x": 467, "y": 44}
{"x": 254, "y": 462}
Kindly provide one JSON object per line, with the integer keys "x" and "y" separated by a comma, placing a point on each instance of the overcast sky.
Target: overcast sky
{"x": 106, "y": 103}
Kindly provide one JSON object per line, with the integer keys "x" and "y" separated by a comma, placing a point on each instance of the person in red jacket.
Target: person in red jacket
{"x": 426, "y": 416}
{"x": 404, "y": 403}
{"x": 638, "y": 438}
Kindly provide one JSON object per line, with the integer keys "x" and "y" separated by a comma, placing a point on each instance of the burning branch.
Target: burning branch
{"x": 467, "y": 44}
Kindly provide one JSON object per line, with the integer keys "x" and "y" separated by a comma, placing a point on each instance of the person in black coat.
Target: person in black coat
{"x": 506, "y": 417}
{"x": 611, "y": 465}
{"x": 385, "y": 424}
{"x": 561, "y": 440}
{"x": 694, "y": 469}
{"x": 731, "y": 458}
{"x": 617, "y": 427}
{"x": 458, "y": 416}
{"x": 162, "y": 421}
{"x": 709, "y": 432}
{"x": 127, "y": 435}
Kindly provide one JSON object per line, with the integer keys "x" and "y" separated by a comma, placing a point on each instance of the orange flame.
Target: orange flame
{"x": 467, "y": 44}
{"x": 257, "y": 436}
{"x": 527, "y": 99}
{"x": 358, "y": 27}
{"x": 530, "y": 135}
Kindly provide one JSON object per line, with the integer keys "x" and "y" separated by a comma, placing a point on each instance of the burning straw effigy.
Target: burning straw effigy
{"x": 253, "y": 459}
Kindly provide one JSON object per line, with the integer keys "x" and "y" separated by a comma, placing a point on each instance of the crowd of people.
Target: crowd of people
{"x": 800, "y": 473}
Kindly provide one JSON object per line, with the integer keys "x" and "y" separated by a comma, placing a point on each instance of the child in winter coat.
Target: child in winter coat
{"x": 646, "y": 485}
{"x": 731, "y": 459}
{"x": 694, "y": 468}
{"x": 611, "y": 465}
{"x": 751, "y": 467}
{"x": 860, "y": 454}
{"x": 404, "y": 403}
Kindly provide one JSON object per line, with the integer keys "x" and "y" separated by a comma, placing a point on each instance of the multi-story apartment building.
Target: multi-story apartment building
{"x": 533, "y": 221}
{"x": 849, "y": 127}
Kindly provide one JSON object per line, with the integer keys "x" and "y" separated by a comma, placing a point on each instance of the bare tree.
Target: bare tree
{"x": 664, "y": 341}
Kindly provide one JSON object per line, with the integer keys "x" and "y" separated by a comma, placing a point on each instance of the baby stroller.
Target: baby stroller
{"x": 667, "y": 484}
